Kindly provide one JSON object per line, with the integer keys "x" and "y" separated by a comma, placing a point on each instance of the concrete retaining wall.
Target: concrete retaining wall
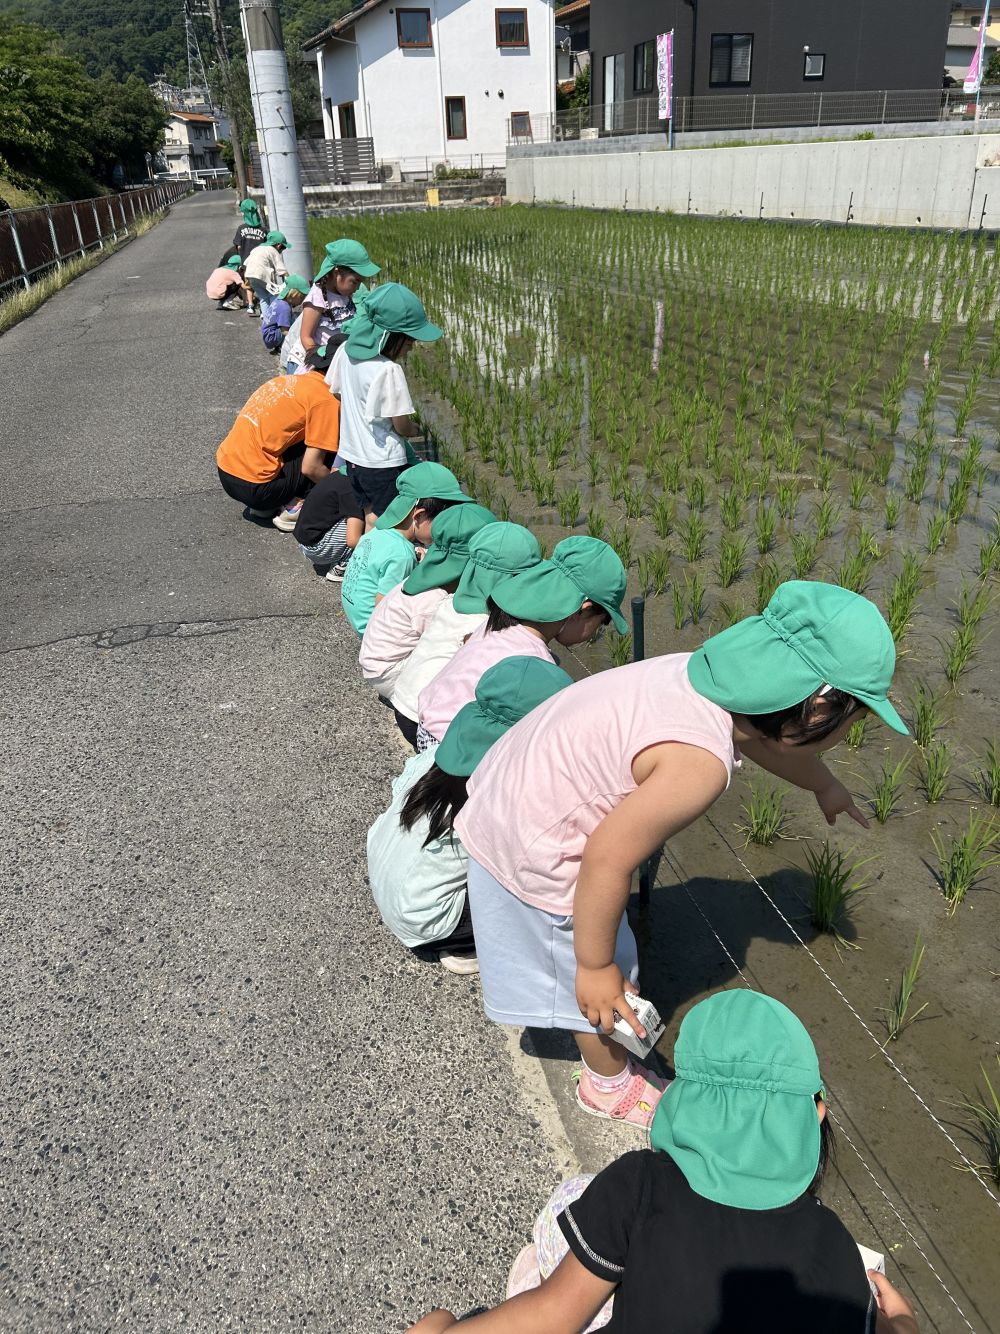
{"x": 922, "y": 182}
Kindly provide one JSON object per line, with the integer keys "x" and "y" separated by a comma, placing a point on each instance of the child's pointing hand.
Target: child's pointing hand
{"x": 835, "y": 800}
{"x": 600, "y": 994}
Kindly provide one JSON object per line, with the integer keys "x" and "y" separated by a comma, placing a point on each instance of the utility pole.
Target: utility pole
{"x": 272, "y": 105}
{"x": 222, "y": 54}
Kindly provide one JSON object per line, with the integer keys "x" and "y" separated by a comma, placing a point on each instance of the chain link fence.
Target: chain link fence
{"x": 35, "y": 240}
{"x": 755, "y": 111}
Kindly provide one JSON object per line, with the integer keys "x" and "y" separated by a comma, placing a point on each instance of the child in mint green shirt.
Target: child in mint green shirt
{"x": 386, "y": 554}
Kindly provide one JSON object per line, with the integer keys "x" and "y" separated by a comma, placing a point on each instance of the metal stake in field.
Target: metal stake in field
{"x": 272, "y": 106}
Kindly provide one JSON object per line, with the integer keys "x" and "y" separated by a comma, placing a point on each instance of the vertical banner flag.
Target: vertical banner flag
{"x": 665, "y": 72}
{"x": 974, "y": 77}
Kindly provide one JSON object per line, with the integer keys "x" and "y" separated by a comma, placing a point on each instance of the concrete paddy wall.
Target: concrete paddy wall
{"x": 920, "y": 182}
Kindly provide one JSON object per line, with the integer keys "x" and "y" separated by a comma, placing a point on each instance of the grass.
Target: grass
{"x": 887, "y": 790}
{"x": 962, "y": 648}
{"x": 833, "y": 887}
{"x": 898, "y": 1015}
{"x": 926, "y": 715}
{"x": 620, "y": 648}
{"x": 857, "y": 732}
{"x": 766, "y": 817}
{"x": 964, "y": 858}
{"x": 934, "y": 772}
{"x": 732, "y": 558}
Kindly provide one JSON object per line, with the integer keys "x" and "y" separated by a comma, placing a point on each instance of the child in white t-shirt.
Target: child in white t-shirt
{"x": 377, "y": 412}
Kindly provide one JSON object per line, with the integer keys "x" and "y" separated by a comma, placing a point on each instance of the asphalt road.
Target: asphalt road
{"x": 228, "y": 1098}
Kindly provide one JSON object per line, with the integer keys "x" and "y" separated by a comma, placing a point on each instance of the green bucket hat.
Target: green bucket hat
{"x": 294, "y": 283}
{"x": 740, "y": 1118}
{"x": 580, "y": 569}
{"x": 506, "y": 693}
{"x": 420, "y": 482}
{"x": 347, "y": 254}
{"x": 278, "y": 238}
{"x": 390, "y": 308}
{"x": 233, "y": 262}
{"x": 250, "y": 211}
{"x": 499, "y": 550}
{"x": 451, "y": 533}
{"x": 810, "y": 634}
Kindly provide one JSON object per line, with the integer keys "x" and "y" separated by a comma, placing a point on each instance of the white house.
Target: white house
{"x": 191, "y": 144}
{"x": 437, "y": 81}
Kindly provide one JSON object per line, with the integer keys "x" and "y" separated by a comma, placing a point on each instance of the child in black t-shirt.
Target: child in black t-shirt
{"x": 330, "y": 525}
{"x": 717, "y": 1229}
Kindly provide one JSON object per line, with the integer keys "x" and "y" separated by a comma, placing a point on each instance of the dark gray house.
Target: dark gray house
{"x": 767, "y": 46}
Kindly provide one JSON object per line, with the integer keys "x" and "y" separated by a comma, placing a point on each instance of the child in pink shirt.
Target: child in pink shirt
{"x": 567, "y": 599}
{"x": 572, "y": 800}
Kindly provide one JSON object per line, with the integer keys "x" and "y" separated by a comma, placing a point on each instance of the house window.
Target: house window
{"x": 413, "y": 28}
{"x": 644, "y": 67}
{"x": 520, "y": 125}
{"x": 815, "y": 65}
{"x": 512, "y": 27}
{"x": 454, "y": 115}
{"x": 731, "y": 57}
{"x": 348, "y": 126}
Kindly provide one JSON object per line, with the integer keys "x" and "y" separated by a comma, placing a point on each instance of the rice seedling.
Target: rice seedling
{"x": 764, "y": 525}
{"x": 731, "y": 560}
{"x": 804, "y": 553}
{"x": 679, "y": 605}
{"x": 695, "y": 493}
{"x": 989, "y": 555}
{"x": 732, "y": 506}
{"x": 568, "y": 504}
{"x": 670, "y": 474}
{"x": 892, "y": 507}
{"x": 595, "y": 469}
{"x": 620, "y": 648}
{"x": 973, "y": 604}
{"x": 964, "y": 858}
{"x": 962, "y": 648}
{"x": 620, "y": 537}
{"x": 984, "y": 1111}
{"x": 834, "y": 885}
{"x": 693, "y": 534}
{"x": 663, "y": 515}
{"x": 767, "y": 577}
{"x": 898, "y": 1015}
{"x": 826, "y": 515}
{"x": 729, "y": 614}
{"x": 881, "y": 465}
{"x": 858, "y": 490}
{"x": 502, "y": 509}
{"x": 825, "y": 469}
{"x": 654, "y": 569}
{"x": 926, "y": 715}
{"x": 518, "y": 468}
{"x": 935, "y": 772}
{"x": 937, "y": 531}
{"x": 987, "y": 778}
{"x": 597, "y": 523}
{"x": 887, "y": 789}
{"x": 787, "y": 496}
{"x": 856, "y": 733}
{"x": 695, "y": 597}
{"x": 855, "y": 571}
{"x": 766, "y": 817}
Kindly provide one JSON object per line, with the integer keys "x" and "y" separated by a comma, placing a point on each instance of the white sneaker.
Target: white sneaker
{"x": 465, "y": 964}
{"x": 336, "y": 573}
{"x": 287, "y": 518}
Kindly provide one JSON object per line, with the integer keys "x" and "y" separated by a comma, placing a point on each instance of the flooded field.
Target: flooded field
{"x": 730, "y": 405}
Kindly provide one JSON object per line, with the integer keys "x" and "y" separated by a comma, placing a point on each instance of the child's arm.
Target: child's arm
{"x": 314, "y": 465}
{"x": 566, "y": 1303}
{"x": 406, "y": 426}
{"x": 308, "y": 327}
{"x": 676, "y": 784}
{"x": 807, "y": 770}
{"x": 895, "y": 1314}
{"x": 355, "y": 532}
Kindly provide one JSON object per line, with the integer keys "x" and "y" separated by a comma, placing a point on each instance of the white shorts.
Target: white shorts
{"x": 527, "y": 966}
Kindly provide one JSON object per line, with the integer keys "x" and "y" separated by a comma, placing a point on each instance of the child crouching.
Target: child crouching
{"x": 416, "y": 865}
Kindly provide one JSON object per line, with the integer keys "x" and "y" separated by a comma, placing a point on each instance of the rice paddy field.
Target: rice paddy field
{"x": 731, "y": 404}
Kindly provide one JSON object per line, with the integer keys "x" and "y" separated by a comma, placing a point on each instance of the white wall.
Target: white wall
{"x": 939, "y": 182}
{"x": 399, "y": 94}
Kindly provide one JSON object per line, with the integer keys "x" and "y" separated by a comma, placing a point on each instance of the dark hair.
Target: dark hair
{"x": 434, "y": 505}
{"x": 827, "y": 1152}
{"x": 797, "y": 718}
{"x": 497, "y": 618}
{"x": 318, "y": 360}
{"x": 395, "y": 344}
{"x": 437, "y": 796}
{"x": 321, "y": 283}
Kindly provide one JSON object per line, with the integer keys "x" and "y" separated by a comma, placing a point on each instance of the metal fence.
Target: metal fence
{"x": 34, "y": 240}
{"x": 353, "y": 162}
{"x": 755, "y": 111}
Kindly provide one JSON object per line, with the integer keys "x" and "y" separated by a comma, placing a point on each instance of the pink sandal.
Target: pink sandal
{"x": 635, "y": 1104}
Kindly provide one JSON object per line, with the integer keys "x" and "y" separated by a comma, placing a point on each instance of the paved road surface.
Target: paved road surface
{"x": 228, "y": 1100}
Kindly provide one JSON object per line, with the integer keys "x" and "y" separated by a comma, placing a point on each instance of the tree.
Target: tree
{"x": 991, "y": 73}
{"x": 127, "y": 124}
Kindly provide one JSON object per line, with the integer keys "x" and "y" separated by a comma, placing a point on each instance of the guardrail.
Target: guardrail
{"x": 34, "y": 240}
{"x": 755, "y": 111}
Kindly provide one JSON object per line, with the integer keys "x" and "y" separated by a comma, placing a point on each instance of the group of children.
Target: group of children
{"x": 513, "y": 833}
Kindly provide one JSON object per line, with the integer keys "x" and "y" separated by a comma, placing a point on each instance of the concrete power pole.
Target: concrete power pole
{"x": 272, "y": 105}
{"x": 222, "y": 55}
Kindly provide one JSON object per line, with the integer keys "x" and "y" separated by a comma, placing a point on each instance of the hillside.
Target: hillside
{"x": 146, "y": 37}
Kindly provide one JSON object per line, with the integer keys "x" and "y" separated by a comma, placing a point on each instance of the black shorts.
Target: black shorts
{"x": 375, "y": 488}
{"x": 288, "y": 484}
